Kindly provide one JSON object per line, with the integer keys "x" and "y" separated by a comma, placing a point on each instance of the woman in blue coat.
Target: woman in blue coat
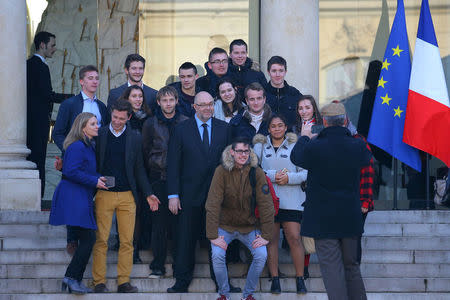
{"x": 72, "y": 202}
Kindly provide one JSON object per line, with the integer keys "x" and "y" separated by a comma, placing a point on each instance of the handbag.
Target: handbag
{"x": 441, "y": 191}
{"x": 309, "y": 245}
{"x": 275, "y": 199}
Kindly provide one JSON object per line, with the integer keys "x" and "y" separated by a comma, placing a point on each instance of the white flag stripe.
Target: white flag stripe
{"x": 427, "y": 74}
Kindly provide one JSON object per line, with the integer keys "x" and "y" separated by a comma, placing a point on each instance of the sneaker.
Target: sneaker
{"x": 223, "y": 297}
{"x": 155, "y": 274}
{"x": 249, "y": 297}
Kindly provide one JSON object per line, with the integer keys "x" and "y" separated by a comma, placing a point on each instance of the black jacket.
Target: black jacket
{"x": 208, "y": 83}
{"x": 134, "y": 164}
{"x": 283, "y": 101}
{"x": 246, "y": 74}
{"x": 334, "y": 161}
{"x": 184, "y": 106}
{"x": 190, "y": 167}
{"x": 241, "y": 127}
{"x": 155, "y": 142}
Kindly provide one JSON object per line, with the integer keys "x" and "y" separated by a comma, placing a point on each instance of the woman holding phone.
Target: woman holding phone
{"x": 274, "y": 155}
{"x": 72, "y": 202}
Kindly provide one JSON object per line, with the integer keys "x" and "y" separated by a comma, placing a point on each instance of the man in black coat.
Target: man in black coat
{"x": 134, "y": 69}
{"x": 332, "y": 214}
{"x": 40, "y": 99}
{"x": 216, "y": 68}
{"x": 241, "y": 68}
{"x": 186, "y": 88}
{"x": 85, "y": 101}
{"x": 119, "y": 155}
{"x": 281, "y": 97}
{"x": 195, "y": 149}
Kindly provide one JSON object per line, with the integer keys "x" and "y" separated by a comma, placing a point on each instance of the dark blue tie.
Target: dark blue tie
{"x": 205, "y": 136}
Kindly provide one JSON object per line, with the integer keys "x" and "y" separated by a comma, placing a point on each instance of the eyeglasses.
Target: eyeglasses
{"x": 240, "y": 152}
{"x": 221, "y": 62}
{"x": 205, "y": 105}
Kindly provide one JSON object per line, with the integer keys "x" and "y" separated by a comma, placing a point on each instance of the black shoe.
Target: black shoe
{"x": 305, "y": 273}
{"x": 301, "y": 288}
{"x": 101, "y": 288}
{"x": 127, "y": 288}
{"x": 275, "y": 287}
{"x": 156, "y": 274}
{"x": 177, "y": 289}
{"x": 136, "y": 258}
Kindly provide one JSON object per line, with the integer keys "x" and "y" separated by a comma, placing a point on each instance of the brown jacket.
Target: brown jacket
{"x": 228, "y": 203}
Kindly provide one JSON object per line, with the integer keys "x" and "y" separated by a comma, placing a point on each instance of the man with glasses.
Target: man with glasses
{"x": 230, "y": 215}
{"x": 216, "y": 67}
{"x": 195, "y": 149}
{"x": 254, "y": 118}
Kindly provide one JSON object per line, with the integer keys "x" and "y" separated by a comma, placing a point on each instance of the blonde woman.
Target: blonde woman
{"x": 72, "y": 203}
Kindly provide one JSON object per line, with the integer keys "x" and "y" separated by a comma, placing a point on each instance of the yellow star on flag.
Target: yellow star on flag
{"x": 398, "y": 111}
{"x": 385, "y": 65}
{"x": 381, "y": 82}
{"x": 396, "y": 51}
{"x": 386, "y": 99}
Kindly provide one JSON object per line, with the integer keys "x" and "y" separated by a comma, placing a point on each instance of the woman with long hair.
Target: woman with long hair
{"x": 72, "y": 202}
{"x": 274, "y": 153}
{"x": 135, "y": 95}
{"x": 308, "y": 114}
{"x": 228, "y": 102}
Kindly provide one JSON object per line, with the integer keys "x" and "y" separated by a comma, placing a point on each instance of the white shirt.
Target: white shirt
{"x": 256, "y": 120}
{"x": 118, "y": 133}
{"x": 89, "y": 105}
{"x": 42, "y": 58}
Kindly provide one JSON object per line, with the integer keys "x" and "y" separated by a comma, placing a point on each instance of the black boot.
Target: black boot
{"x": 301, "y": 288}
{"x": 275, "y": 287}
{"x": 305, "y": 273}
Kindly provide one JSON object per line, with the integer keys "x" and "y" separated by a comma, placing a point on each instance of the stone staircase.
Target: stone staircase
{"x": 406, "y": 255}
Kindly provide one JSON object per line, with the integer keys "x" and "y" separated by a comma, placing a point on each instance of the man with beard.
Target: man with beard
{"x": 156, "y": 132}
{"x": 134, "y": 69}
{"x": 243, "y": 69}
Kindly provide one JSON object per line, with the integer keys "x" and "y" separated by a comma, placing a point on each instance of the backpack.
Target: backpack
{"x": 275, "y": 199}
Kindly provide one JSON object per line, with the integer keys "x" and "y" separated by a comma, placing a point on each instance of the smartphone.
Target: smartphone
{"x": 316, "y": 128}
{"x": 110, "y": 181}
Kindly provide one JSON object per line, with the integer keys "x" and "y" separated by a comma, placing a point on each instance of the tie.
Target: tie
{"x": 205, "y": 136}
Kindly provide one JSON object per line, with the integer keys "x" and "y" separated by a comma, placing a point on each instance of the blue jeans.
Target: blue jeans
{"x": 220, "y": 269}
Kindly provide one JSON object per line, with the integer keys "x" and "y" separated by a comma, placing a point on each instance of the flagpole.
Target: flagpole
{"x": 395, "y": 183}
{"x": 427, "y": 174}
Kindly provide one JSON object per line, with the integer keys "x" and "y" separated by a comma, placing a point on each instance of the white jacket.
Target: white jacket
{"x": 291, "y": 195}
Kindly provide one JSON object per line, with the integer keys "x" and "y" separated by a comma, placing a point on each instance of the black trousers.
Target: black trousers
{"x": 80, "y": 259}
{"x": 163, "y": 222}
{"x": 190, "y": 228}
{"x": 38, "y": 146}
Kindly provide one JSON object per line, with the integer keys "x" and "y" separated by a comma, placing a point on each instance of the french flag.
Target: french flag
{"x": 427, "y": 123}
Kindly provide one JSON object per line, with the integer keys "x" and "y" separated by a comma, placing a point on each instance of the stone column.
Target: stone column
{"x": 19, "y": 181}
{"x": 291, "y": 29}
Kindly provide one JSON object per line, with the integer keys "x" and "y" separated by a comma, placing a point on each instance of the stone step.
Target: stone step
{"x": 369, "y": 243}
{"x": 235, "y": 271}
{"x": 206, "y": 285}
{"x": 374, "y": 229}
{"x": 369, "y": 256}
{"x": 377, "y": 217}
{"x": 210, "y": 296}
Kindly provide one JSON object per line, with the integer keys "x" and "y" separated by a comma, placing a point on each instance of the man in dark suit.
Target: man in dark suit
{"x": 195, "y": 149}
{"x": 85, "y": 101}
{"x": 119, "y": 155}
{"x": 134, "y": 69}
{"x": 40, "y": 99}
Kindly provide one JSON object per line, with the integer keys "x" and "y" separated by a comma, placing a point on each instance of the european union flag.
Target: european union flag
{"x": 388, "y": 116}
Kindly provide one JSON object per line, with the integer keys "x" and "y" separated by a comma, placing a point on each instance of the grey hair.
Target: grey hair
{"x": 338, "y": 120}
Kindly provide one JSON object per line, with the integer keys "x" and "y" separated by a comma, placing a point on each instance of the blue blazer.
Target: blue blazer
{"x": 149, "y": 96}
{"x": 67, "y": 113}
{"x": 72, "y": 202}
